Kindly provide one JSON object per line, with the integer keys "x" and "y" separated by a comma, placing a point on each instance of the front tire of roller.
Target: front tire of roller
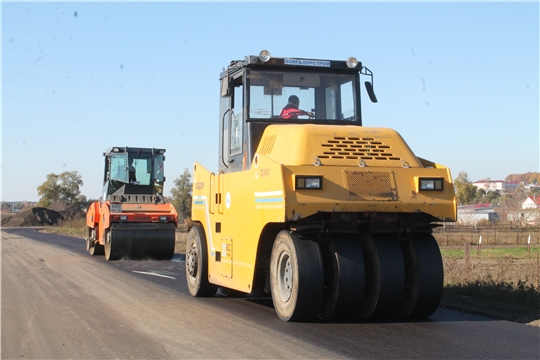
{"x": 197, "y": 264}
{"x": 113, "y": 248}
{"x": 296, "y": 277}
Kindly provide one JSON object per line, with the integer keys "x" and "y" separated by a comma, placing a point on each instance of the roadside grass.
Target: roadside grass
{"x": 501, "y": 281}
{"x": 73, "y": 227}
{"x": 521, "y": 294}
{"x": 493, "y": 253}
{"x": 181, "y": 239}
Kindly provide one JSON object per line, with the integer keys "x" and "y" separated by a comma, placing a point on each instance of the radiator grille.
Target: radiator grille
{"x": 368, "y": 185}
{"x": 268, "y": 144}
{"x": 356, "y": 148}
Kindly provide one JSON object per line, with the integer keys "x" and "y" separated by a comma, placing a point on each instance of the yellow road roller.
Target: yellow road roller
{"x": 332, "y": 218}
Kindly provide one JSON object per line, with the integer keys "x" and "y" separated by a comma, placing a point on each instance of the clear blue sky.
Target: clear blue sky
{"x": 459, "y": 81}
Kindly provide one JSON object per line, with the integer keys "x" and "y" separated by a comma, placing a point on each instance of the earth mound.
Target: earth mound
{"x": 37, "y": 216}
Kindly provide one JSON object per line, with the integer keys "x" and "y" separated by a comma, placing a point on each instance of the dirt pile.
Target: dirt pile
{"x": 37, "y": 216}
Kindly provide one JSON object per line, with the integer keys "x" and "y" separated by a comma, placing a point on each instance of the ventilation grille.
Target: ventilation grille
{"x": 368, "y": 185}
{"x": 356, "y": 148}
{"x": 143, "y": 199}
{"x": 268, "y": 144}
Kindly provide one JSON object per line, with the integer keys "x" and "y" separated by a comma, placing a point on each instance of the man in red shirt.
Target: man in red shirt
{"x": 291, "y": 110}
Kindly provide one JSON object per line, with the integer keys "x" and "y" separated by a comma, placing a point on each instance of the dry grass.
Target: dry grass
{"x": 181, "y": 240}
{"x": 499, "y": 282}
{"x": 496, "y": 265}
{"x": 74, "y": 227}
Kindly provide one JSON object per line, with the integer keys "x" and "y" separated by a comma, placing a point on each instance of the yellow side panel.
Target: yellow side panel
{"x": 249, "y": 200}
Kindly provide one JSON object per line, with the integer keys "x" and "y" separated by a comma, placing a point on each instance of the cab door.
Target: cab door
{"x": 232, "y": 137}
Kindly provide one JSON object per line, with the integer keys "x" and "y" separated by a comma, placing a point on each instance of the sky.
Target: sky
{"x": 459, "y": 80}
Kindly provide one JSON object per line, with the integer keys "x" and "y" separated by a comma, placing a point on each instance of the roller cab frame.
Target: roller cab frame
{"x": 330, "y": 216}
{"x": 132, "y": 218}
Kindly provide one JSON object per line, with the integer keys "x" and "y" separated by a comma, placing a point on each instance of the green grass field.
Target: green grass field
{"x": 515, "y": 252}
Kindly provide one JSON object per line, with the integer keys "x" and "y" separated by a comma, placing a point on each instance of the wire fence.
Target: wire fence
{"x": 457, "y": 235}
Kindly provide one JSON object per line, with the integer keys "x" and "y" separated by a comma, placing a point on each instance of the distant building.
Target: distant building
{"x": 530, "y": 210}
{"x": 496, "y": 185}
{"x": 472, "y": 214}
{"x": 531, "y": 187}
{"x": 531, "y": 202}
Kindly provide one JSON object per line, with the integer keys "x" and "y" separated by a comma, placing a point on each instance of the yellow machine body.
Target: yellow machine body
{"x": 362, "y": 170}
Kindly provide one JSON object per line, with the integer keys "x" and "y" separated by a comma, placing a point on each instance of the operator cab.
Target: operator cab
{"x": 254, "y": 91}
{"x": 133, "y": 171}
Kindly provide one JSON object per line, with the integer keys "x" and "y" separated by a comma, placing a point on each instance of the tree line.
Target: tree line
{"x": 62, "y": 192}
{"x": 468, "y": 194}
{"x": 527, "y": 178}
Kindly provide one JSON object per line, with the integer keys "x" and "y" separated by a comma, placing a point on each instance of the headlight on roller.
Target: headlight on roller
{"x": 352, "y": 62}
{"x": 264, "y": 55}
{"x": 430, "y": 184}
{"x": 305, "y": 182}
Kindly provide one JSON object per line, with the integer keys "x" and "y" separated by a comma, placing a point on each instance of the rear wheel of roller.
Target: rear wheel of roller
{"x": 425, "y": 276}
{"x": 385, "y": 276}
{"x": 344, "y": 278}
{"x": 96, "y": 249}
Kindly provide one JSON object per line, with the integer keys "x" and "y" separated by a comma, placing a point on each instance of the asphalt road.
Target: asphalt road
{"x": 60, "y": 302}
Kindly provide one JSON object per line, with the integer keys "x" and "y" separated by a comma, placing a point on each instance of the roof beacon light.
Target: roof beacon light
{"x": 352, "y": 62}
{"x": 264, "y": 55}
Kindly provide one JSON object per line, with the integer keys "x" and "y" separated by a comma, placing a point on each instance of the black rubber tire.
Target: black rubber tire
{"x": 197, "y": 264}
{"x": 344, "y": 276}
{"x": 114, "y": 248}
{"x": 385, "y": 276}
{"x": 296, "y": 277}
{"x": 89, "y": 241}
{"x": 92, "y": 246}
{"x": 156, "y": 244}
{"x": 97, "y": 249}
{"x": 425, "y": 277}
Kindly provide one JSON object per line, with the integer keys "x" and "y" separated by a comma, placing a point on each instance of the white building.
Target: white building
{"x": 530, "y": 210}
{"x": 494, "y": 185}
{"x": 472, "y": 214}
{"x": 531, "y": 202}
